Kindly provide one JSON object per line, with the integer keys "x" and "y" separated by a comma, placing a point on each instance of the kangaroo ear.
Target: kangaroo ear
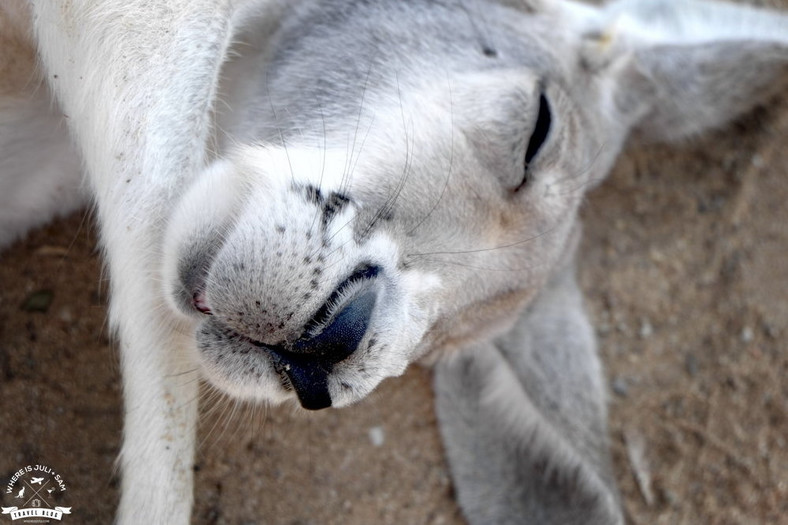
{"x": 680, "y": 67}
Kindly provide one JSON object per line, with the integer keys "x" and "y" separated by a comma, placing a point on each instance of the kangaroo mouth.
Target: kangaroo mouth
{"x": 333, "y": 333}
{"x": 310, "y": 361}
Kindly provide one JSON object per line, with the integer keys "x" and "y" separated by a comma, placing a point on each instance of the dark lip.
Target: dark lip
{"x": 305, "y": 364}
{"x": 326, "y": 313}
{"x": 310, "y": 367}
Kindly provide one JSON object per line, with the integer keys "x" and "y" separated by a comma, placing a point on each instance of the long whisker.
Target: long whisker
{"x": 591, "y": 163}
{"x": 350, "y": 165}
{"x": 530, "y": 268}
{"x": 281, "y": 135}
{"x": 385, "y": 209}
{"x": 322, "y": 168}
{"x": 492, "y": 248}
{"x": 449, "y": 171}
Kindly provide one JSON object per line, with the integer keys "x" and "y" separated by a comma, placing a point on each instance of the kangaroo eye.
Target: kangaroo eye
{"x": 539, "y": 134}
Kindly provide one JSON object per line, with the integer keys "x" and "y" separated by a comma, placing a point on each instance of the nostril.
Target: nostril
{"x": 200, "y": 304}
{"x": 190, "y": 286}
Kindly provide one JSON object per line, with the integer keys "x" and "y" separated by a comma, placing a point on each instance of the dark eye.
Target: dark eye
{"x": 539, "y": 134}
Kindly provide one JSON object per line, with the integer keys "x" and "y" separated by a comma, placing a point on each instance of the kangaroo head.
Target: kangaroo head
{"x": 400, "y": 177}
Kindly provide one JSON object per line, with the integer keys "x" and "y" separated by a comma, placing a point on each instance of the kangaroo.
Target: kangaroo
{"x": 299, "y": 199}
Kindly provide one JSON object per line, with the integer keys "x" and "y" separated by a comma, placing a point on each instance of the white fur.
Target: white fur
{"x": 35, "y": 188}
{"x": 142, "y": 131}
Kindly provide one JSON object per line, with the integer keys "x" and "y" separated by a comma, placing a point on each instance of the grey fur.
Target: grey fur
{"x": 521, "y": 408}
{"x": 523, "y": 419}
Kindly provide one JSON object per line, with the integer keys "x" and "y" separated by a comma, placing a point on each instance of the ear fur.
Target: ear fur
{"x": 680, "y": 67}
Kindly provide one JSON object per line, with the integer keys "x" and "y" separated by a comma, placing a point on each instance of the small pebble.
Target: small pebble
{"x": 646, "y": 329}
{"x": 671, "y": 498}
{"x": 377, "y": 436}
{"x": 620, "y": 386}
{"x": 65, "y": 315}
{"x": 747, "y": 335}
{"x": 691, "y": 363}
{"x": 38, "y": 301}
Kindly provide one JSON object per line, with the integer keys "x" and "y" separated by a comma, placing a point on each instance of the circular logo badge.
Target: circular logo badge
{"x": 35, "y": 495}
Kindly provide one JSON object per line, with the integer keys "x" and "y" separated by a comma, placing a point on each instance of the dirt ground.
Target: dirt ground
{"x": 685, "y": 265}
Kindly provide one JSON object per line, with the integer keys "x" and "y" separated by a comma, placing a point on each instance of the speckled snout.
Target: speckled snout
{"x": 288, "y": 297}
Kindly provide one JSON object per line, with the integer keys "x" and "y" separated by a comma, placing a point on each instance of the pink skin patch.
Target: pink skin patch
{"x": 199, "y": 302}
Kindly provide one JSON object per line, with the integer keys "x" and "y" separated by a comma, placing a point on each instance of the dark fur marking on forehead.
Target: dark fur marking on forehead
{"x": 334, "y": 204}
{"x": 329, "y": 206}
{"x": 313, "y": 194}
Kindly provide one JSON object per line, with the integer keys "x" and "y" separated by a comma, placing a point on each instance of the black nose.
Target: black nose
{"x": 310, "y": 360}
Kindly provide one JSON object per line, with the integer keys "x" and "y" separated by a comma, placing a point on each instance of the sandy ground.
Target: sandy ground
{"x": 685, "y": 265}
